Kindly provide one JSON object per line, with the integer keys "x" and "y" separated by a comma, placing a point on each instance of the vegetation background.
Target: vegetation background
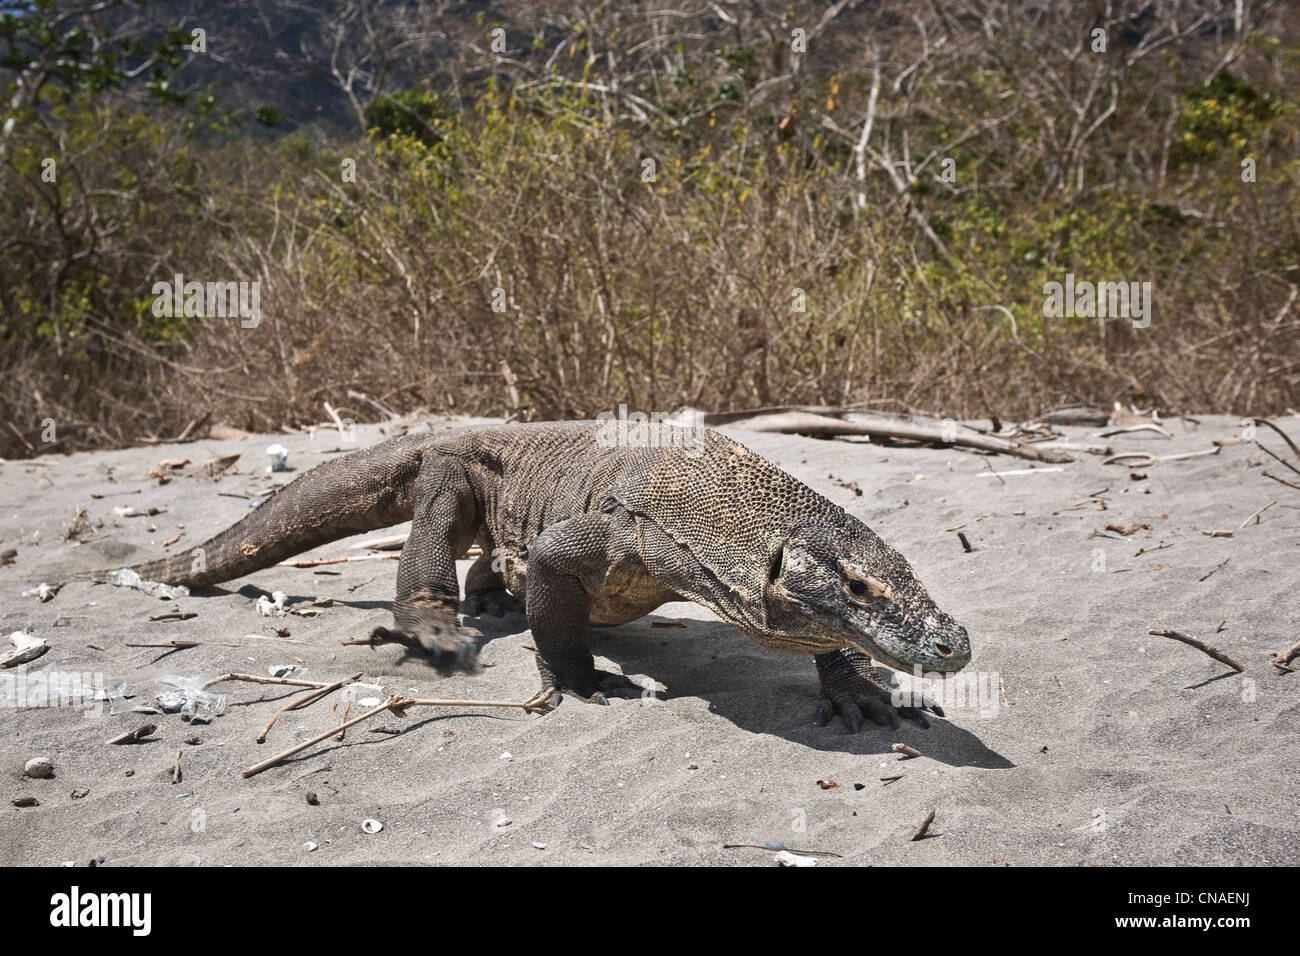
{"x": 627, "y": 202}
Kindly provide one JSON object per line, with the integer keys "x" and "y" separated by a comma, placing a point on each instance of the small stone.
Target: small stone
{"x": 313, "y": 799}
{"x": 539, "y": 846}
{"x": 40, "y": 767}
{"x": 80, "y": 792}
{"x": 26, "y": 802}
{"x": 692, "y": 766}
{"x": 193, "y": 741}
{"x": 130, "y": 773}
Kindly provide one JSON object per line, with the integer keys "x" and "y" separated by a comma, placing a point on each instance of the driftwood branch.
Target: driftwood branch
{"x": 306, "y": 701}
{"x": 1282, "y": 658}
{"x": 924, "y": 827}
{"x": 398, "y": 705}
{"x": 807, "y": 423}
{"x": 1201, "y": 646}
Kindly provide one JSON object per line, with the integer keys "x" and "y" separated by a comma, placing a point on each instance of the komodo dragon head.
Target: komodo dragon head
{"x": 839, "y": 585}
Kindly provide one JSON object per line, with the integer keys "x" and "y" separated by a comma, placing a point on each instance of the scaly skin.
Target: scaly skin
{"x": 586, "y": 531}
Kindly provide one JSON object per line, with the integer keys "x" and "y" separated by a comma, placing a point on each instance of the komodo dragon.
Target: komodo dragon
{"x": 588, "y": 532}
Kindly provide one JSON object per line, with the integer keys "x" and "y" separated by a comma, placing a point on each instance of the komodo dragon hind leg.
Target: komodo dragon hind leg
{"x": 851, "y": 687}
{"x": 485, "y": 590}
{"x": 566, "y": 565}
{"x": 441, "y": 528}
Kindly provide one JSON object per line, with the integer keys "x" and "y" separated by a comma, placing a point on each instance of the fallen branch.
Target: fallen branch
{"x": 398, "y": 706}
{"x": 347, "y": 559}
{"x": 256, "y": 679}
{"x": 1144, "y": 460}
{"x": 343, "y": 719}
{"x": 924, "y": 827}
{"x": 1256, "y": 515}
{"x": 1201, "y": 646}
{"x": 1282, "y": 481}
{"x": 1282, "y": 461}
{"x": 1292, "y": 445}
{"x": 1282, "y": 658}
{"x": 1211, "y": 574}
{"x": 176, "y": 768}
{"x": 1126, "y": 429}
{"x": 133, "y": 736}
{"x": 906, "y": 751}
{"x": 805, "y": 423}
{"x": 306, "y": 701}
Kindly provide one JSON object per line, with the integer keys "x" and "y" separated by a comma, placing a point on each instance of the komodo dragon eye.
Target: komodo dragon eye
{"x": 862, "y": 586}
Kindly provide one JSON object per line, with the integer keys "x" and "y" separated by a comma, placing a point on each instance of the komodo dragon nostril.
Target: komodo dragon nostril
{"x": 943, "y": 649}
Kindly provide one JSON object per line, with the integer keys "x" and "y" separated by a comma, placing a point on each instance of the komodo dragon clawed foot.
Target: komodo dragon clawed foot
{"x": 427, "y": 623}
{"x": 852, "y": 688}
{"x": 494, "y": 602}
{"x": 594, "y": 686}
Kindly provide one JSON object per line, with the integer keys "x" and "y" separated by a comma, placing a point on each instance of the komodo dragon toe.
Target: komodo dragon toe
{"x": 852, "y": 688}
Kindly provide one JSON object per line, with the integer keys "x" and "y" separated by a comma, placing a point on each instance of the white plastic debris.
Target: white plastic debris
{"x": 127, "y": 511}
{"x": 279, "y": 457}
{"x": 286, "y": 670}
{"x": 42, "y": 592}
{"x": 25, "y": 648}
{"x": 273, "y": 607}
{"x": 786, "y": 858}
{"x": 188, "y": 697}
{"x": 126, "y": 578}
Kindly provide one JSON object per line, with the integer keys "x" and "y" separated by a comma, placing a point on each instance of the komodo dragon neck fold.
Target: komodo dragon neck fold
{"x": 579, "y": 532}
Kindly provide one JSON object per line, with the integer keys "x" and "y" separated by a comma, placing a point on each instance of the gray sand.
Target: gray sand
{"x": 1093, "y": 743}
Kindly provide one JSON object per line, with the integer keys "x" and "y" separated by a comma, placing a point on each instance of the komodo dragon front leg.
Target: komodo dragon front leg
{"x": 567, "y": 566}
{"x": 442, "y": 528}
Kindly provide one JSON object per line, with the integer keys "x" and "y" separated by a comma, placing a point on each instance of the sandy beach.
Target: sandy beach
{"x": 1089, "y": 742}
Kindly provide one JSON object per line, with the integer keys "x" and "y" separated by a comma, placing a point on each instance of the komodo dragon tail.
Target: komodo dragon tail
{"x": 368, "y": 489}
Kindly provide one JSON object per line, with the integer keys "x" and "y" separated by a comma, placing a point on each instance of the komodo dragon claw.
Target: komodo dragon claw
{"x": 852, "y": 688}
{"x": 496, "y": 602}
